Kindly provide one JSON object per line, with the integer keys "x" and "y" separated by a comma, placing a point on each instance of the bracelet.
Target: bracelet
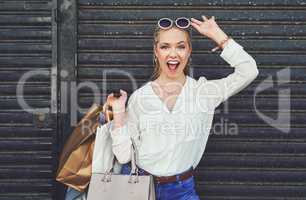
{"x": 221, "y": 44}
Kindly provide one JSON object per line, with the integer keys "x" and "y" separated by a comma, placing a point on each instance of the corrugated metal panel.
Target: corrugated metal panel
{"x": 261, "y": 162}
{"x": 27, "y": 140}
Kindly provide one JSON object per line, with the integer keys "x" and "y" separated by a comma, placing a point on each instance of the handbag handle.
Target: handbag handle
{"x": 134, "y": 157}
{"x": 134, "y": 171}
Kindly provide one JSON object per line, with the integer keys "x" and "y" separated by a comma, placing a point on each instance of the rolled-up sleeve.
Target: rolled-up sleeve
{"x": 245, "y": 72}
{"x": 122, "y": 136}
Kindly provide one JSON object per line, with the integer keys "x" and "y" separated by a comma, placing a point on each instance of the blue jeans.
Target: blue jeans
{"x": 181, "y": 190}
{"x": 72, "y": 194}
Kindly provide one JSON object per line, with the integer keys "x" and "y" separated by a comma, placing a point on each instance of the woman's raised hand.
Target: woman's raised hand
{"x": 209, "y": 28}
{"x": 117, "y": 103}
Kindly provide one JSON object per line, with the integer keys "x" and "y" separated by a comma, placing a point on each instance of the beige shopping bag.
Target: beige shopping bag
{"x": 75, "y": 163}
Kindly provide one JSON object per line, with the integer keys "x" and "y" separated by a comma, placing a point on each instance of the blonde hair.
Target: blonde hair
{"x": 157, "y": 69}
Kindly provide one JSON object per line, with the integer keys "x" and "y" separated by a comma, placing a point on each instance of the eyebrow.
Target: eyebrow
{"x": 165, "y": 43}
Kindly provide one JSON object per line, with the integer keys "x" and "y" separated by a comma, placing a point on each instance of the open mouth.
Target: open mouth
{"x": 173, "y": 65}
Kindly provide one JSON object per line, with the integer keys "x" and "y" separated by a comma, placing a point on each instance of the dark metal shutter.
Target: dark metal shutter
{"x": 261, "y": 162}
{"x": 27, "y": 139}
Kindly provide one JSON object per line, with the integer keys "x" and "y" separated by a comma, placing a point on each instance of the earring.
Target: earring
{"x": 154, "y": 60}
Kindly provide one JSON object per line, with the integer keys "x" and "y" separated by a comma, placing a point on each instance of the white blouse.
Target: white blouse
{"x": 170, "y": 142}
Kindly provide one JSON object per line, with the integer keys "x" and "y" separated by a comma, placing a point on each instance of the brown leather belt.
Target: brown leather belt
{"x": 171, "y": 179}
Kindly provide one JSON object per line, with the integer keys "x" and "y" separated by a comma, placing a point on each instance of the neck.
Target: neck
{"x": 165, "y": 80}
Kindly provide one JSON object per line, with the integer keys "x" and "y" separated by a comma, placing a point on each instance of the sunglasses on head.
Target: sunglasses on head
{"x": 181, "y": 22}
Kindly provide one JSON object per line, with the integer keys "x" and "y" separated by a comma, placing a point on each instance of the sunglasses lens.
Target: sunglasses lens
{"x": 183, "y": 22}
{"x": 164, "y": 23}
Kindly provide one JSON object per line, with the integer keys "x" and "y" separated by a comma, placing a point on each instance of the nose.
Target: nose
{"x": 172, "y": 53}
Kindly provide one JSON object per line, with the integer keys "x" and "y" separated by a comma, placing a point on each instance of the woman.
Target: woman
{"x": 169, "y": 118}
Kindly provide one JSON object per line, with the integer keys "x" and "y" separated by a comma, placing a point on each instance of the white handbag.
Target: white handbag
{"x": 110, "y": 186}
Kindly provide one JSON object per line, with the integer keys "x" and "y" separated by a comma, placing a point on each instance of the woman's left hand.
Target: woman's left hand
{"x": 209, "y": 28}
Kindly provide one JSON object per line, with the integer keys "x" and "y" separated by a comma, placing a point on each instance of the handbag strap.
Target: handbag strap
{"x": 134, "y": 157}
{"x": 134, "y": 160}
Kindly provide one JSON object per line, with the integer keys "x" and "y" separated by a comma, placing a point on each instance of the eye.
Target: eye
{"x": 181, "y": 47}
{"x": 163, "y": 47}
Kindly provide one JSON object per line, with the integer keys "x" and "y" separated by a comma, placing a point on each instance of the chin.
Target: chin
{"x": 173, "y": 75}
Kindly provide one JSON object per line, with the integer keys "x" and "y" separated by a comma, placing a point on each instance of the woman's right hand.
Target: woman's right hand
{"x": 118, "y": 107}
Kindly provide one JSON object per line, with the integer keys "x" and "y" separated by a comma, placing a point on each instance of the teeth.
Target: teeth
{"x": 173, "y": 62}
